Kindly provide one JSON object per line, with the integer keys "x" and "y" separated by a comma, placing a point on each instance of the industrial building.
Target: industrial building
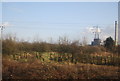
{"x": 97, "y": 40}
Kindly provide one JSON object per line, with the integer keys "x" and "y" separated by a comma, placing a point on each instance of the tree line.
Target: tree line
{"x": 11, "y": 46}
{"x": 76, "y": 52}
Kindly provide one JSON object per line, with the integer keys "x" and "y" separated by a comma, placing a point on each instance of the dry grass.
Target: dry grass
{"x": 39, "y": 70}
{"x": 104, "y": 54}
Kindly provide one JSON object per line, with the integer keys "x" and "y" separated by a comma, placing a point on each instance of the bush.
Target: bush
{"x": 109, "y": 44}
{"x": 92, "y": 49}
{"x": 9, "y": 46}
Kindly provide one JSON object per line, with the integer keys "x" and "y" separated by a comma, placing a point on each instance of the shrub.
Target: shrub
{"x": 91, "y": 49}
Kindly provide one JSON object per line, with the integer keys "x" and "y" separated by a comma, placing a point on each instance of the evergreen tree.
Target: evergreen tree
{"x": 109, "y": 44}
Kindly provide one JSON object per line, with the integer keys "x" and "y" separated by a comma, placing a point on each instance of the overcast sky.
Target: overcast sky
{"x": 31, "y": 20}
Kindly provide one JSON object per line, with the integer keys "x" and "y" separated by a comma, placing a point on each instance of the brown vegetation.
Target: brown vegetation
{"x": 39, "y": 70}
{"x": 62, "y": 60}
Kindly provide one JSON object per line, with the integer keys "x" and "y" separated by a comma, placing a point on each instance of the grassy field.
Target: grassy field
{"x": 103, "y": 58}
{"x": 45, "y": 66}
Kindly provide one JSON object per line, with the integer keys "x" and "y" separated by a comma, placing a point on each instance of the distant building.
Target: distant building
{"x": 96, "y": 41}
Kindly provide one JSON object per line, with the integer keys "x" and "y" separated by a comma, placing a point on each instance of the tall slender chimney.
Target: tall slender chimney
{"x": 116, "y": 33}
{"x": 119, "y": 23}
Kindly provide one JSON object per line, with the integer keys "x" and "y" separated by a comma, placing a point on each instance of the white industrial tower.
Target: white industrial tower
{"x": 119, "y": 23}
{"x": 116, "y": 33}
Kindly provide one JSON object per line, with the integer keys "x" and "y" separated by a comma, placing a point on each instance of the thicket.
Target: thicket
{"x": 75, "y": 52}
{"x": 12, "y": 46}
